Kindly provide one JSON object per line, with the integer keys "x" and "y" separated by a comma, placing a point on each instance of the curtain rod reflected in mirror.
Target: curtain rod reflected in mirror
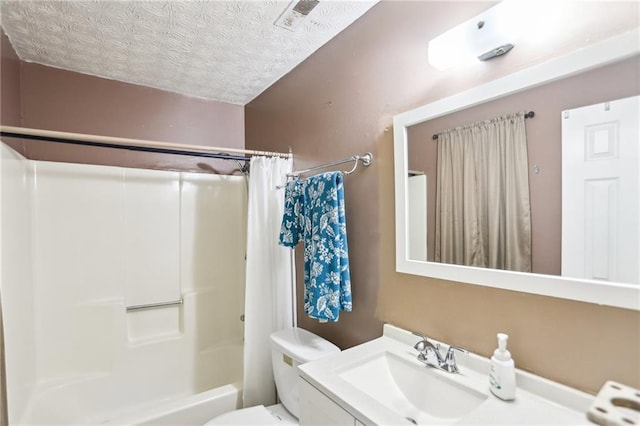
{"x": 528, "y": 114}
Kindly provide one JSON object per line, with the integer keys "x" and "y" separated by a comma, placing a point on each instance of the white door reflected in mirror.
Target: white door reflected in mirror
{"x": 600, "y": 187}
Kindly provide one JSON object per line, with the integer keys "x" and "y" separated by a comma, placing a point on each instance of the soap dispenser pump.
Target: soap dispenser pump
{"x": 502, "y": 378}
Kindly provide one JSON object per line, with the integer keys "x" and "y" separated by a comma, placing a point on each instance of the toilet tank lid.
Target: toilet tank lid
{"x": 302, "y": 345}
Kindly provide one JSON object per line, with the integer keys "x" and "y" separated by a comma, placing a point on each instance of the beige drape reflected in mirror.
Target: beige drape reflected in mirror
{"x": 483, "y": 215}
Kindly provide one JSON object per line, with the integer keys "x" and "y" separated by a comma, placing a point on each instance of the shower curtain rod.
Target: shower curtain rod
{"x": 528, "y": 114}
{"x": 365, "y": 159}
{"x": 135, "y": 144}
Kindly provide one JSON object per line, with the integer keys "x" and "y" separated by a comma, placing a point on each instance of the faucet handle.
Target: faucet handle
{"x": 422, "y": 345}
{"x": 423, "y": 340}
{"x": 451, "y": 353}
{"x": 452, "y": 348}
{"x": 450, "y": 359}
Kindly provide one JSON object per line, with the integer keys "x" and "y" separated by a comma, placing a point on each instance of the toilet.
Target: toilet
{"x": 289, "y": 348}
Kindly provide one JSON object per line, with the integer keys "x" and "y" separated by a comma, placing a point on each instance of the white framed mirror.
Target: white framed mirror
{"x": 617, "y": 294}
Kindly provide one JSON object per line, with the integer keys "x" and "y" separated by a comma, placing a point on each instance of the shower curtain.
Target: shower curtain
{"x": 268, "y": 300}
{"x": 482, "y": 199}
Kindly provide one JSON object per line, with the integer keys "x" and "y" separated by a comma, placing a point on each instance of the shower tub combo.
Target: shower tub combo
{"x": 80, "y": 245}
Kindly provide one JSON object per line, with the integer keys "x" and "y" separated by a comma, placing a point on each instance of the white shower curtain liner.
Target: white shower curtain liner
{"x": 268, "y": 300}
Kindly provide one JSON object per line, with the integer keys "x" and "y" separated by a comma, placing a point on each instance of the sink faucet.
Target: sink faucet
{"x": 431, "y": 355}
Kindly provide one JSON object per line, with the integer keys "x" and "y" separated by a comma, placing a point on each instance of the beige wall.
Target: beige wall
{"x": 63, "y": 100}
{"x": 9, "y": 83}
{"x": 341, "y": 101}
{"x": 55, "y": 99}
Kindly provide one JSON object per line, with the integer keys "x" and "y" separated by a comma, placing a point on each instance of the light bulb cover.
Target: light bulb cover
{"x": 491, "y": 34}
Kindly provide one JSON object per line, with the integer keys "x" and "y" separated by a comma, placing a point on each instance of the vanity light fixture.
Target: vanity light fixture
{"x": 491, "y": 34}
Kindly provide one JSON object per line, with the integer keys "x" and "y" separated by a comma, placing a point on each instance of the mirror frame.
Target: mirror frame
{"x": 604, "y": 293}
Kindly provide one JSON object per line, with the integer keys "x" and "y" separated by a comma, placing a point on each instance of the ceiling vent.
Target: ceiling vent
{"x": 295, "y": 13}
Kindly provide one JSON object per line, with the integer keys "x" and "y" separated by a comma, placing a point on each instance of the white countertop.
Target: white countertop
{"x": 538, "y": 400}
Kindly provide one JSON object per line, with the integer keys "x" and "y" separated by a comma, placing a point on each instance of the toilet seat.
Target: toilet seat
{"x": 257, "y": 415}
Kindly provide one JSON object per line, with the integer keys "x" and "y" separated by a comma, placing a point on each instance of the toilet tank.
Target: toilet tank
{"x": 289, "y": 349}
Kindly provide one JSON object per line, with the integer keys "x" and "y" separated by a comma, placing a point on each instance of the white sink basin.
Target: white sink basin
{"x": 416, "y": 392}
{"x": 381, "y": 382}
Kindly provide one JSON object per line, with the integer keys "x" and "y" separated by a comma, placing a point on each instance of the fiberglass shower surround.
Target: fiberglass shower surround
{"x": 80, "y": 243}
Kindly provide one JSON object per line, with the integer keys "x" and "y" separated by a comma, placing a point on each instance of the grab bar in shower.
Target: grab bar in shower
{"x": 154, "y": 305}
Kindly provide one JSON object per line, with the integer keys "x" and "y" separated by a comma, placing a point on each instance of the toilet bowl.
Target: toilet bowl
{"x": 289, "y": 349}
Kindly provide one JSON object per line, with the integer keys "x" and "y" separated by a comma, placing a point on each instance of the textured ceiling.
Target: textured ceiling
{"x": 228, "y": 51}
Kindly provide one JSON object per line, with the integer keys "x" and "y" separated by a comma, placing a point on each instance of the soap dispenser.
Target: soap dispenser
{"x": 502, "y": 378}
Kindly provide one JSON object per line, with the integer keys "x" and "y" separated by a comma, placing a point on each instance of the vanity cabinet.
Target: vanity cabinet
{"x": 316, "y": 409}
